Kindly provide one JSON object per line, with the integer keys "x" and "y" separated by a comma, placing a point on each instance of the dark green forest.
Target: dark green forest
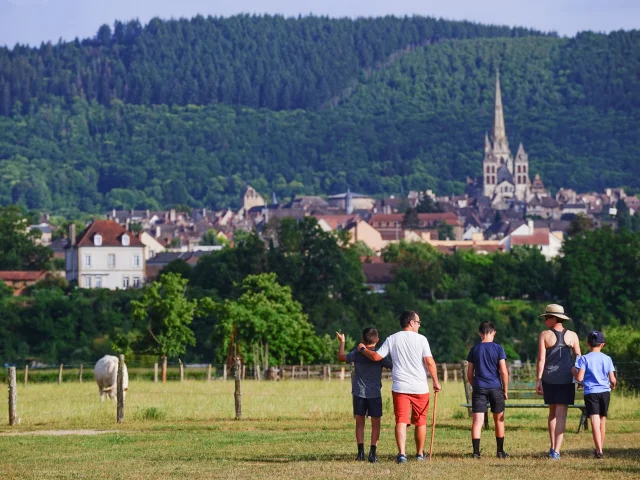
{"x": 314, "y": 286}
{"x": 378, "y": 105}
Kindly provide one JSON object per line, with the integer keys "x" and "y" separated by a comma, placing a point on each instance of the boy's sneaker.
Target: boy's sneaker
{"x": 401, "y": 458}
{"x": 360, "y": 457}
{"x": 551, "y": 452}
{"x": 599, "y": 456}
{"x": 422, "y": 457}
{"x": 502, "y": 455}
{"x": 373, "y": 458}
{"x": 476, "y": 456}
{"x": 554, "y": 456}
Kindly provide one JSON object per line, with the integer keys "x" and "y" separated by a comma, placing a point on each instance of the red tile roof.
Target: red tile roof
{"x": 22, "y": 276}
{"x": 378, "y": 272}
{"x": 428, "y": 218}
{"x": 335, "y": 221}
{"x": 111, "y": 235}
{"x": 539, "y": 237}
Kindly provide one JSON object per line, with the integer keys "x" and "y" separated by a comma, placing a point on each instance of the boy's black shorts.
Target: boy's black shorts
{"x": 371, "y": 407}
{"x": 597, "y": 403}
{"x": 480, "y": 397}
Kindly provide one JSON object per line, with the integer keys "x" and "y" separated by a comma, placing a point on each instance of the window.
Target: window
{"x": 87, "y": 260}
{"x": 125, "y": 282}
{"x": 136, "y": 260}
{"x": 125, "y": 240}
{"x": 97, "y": 240}
{"x": 112, "y": 260}
{"x": 488, "y": 179}
{"x": 98, "y": 282}
{"x": 87, "y": 282}
{"x": 136, "y": 282}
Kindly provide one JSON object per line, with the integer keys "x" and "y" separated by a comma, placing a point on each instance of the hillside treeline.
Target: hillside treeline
{"x": 257, "y": 61}
{"x": 417, "y": 124}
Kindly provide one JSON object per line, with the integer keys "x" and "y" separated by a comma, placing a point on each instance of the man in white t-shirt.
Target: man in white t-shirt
{"x": 410, "y": 354}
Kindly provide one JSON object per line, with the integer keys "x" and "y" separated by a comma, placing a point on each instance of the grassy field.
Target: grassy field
{"x": 291, "y": 429}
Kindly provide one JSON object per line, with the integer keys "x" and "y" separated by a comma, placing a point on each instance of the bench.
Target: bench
{"x": 523, "y": 391}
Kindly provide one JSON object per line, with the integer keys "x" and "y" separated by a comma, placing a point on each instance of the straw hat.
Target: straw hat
{"x": 555, "y": 310}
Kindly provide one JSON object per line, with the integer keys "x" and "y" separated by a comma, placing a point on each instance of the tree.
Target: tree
{"x": 580, "y": 224}
{"x": 445, "y": 231}
{"x": 212, "y": 237}
{"x": 418, "y": 269}
{"x": 411, "y": 219}
{"x": 265, "y": 324}
{"x": 427, "y": 205}
{"x": 164, "y": 315}
{"x": 177, "y": 266}
{"x": 18, "y": 250}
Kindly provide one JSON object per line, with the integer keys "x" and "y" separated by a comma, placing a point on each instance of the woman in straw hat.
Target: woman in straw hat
{"x": 554, "y": 376}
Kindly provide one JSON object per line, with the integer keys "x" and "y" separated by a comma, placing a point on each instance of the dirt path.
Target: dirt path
{"x": 57, "y": 432}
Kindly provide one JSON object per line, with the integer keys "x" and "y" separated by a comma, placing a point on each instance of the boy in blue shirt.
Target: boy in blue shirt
{"x": 595, "y": 371}
{"x": 487, "y": 365}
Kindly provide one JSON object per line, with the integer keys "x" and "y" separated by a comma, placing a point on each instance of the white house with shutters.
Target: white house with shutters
{"x": 105, "y": 255}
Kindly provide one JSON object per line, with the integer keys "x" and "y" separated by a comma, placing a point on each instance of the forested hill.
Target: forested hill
{"x": 257, "y": 61}
{"x": 417, "y": 123}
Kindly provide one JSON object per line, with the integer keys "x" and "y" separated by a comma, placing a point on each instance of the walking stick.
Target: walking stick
{"x": 433, "y": 424}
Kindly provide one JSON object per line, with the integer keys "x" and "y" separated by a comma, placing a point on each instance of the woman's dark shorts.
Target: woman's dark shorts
{"x": 597, "y": 403}
{"x": 480, "y": 397}
{"x": 561, "y": 394}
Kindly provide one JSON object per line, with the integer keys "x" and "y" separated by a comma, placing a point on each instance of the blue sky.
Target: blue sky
{"x": 34, "y": 21}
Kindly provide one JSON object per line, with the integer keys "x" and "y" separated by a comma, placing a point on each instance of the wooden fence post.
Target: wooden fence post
{"x": 120, "y": 391}
{"x": 13, "y": 397}
{"x": 293, "y": 372}
{"x": 308, "y": 372}
{"x": 455, "y": 375}
{"x": 342, "y": 373}
{"x": 238, "y": 392}
{"x": 164, "y": 369}
{"x": 26, "y": 374}
{"x": 181, "y": 370}
{"x": 60, "y": 374}
{"x": 445, "y": 373}
{"x": 209, "y": 373}
{"x": 155, "y": 372}
{"x": 244, "y": 372}
{"x": 80, "y": 374}
{"x": 329, "y": 372}
{"x": 224, "y": 372}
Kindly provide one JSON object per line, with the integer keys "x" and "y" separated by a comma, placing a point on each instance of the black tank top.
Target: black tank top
{"x": 558, "y": 361}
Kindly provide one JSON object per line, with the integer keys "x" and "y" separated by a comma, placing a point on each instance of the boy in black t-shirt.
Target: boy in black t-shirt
{"x": 366, "y": 385}
{"x": 487, "y": 365}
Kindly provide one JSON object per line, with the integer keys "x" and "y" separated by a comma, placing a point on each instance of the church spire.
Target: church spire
{"x": 499, "y": 132}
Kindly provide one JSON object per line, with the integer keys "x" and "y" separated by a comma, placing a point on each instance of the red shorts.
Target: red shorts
{"x": 411, "y": 408}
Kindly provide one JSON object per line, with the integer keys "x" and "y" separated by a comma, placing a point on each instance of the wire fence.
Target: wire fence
{"x": 628, "y": 373}
{"x": 196, "y": 378}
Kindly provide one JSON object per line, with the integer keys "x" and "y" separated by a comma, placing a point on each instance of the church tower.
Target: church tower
{"x": 521, "y": 174}
{"x": 496, "y": 148}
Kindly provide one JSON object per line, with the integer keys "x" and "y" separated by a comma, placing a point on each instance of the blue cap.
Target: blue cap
{"x": 595, "y": 338}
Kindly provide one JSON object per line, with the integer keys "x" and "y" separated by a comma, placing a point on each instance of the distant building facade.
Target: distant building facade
{"x": 506, "y": 178}
{"x": 105, "y": 255}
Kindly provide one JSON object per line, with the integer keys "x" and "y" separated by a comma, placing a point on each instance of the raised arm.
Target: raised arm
{"x": 433, "y": 371}
{"x": 341, "y": 356}
{"x": 542, "y": 355}
{"x": 504, "y": 374}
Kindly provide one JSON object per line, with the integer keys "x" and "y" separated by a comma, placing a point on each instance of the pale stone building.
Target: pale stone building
{"x": 505, "y": 178}
{"x": 252, "y": 199}
{"x": 105, "y": 255}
